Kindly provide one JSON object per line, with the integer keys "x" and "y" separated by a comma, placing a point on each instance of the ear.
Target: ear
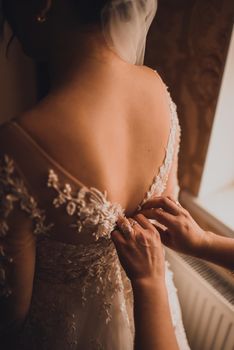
{"x": 45, "y": 8}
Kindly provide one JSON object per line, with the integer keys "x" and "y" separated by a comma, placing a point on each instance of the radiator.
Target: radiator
{"x": 208, "y": 314}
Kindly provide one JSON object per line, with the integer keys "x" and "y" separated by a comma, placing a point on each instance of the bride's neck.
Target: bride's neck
{"x": 70, "y": 59}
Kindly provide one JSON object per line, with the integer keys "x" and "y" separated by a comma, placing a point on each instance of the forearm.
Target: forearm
{"x": 219, "y": 250}
{"x": 153, "y": 324}
{"x": 17, "y": 284}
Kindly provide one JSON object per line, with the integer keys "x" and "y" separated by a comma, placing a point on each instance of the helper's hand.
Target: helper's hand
{"x": 181, "y": 232}
{"x": 141, "y": 254}
{"x": 139, "y": 249}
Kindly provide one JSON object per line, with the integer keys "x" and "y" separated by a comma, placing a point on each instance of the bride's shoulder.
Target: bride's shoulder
{"x": 150, "y": 73}
{"x": 152, "y": 85}
{"x": 8, "y": 137}
{"x": 4, "y": 135}
{"x": 151, "y": 80}
{"x": 8, "y": 130}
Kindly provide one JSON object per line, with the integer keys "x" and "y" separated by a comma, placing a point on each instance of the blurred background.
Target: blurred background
{"x": 191, "y": 45}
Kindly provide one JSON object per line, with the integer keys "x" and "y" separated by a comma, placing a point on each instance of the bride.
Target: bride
{"x": 101, "y": 143}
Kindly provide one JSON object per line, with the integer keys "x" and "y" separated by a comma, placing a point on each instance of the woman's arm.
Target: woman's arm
{"x": 184, "y": 235}
{"x": 141, "y": 254}
{"x": 152, "y": 317}
{"x": 19, "y": 218}
{"x": 17, "y": 246}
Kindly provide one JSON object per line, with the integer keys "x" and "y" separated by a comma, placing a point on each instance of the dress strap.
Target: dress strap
{"x": 159, "y": 182}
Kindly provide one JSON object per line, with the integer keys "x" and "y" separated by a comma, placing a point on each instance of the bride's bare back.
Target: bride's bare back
{"x": 109, "y": 131}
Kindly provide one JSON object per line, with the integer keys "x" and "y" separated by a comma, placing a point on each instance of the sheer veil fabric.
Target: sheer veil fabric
{"x": 125, "y": 25}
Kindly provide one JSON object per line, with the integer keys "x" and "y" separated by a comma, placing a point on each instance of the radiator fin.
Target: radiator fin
{"x": 207, "y": 303}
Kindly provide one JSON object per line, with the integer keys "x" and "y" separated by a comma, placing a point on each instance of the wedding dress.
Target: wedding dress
{"x": 81, "y": 298}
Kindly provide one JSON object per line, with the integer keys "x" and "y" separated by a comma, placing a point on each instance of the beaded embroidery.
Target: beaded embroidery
{"x": 90, "y": 206}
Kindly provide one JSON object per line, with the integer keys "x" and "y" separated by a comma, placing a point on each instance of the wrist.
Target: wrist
{"x": 207, "y": 242}
{"x": 149, "y": 283}
{"x": 150, "y": 292}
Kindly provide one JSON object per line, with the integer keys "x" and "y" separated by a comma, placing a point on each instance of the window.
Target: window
{"x": 216, "y": 195}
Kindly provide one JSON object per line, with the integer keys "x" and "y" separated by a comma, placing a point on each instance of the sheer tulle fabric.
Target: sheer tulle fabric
{"x": 125, "y": 27}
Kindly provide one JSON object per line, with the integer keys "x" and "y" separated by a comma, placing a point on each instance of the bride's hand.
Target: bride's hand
{"x": 139, "y": 249}
{"x": 181, "y": 232}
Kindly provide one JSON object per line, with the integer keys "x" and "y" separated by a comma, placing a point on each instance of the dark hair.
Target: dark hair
{"x": 89, "y": 11}
{"x": 2, "y": 23}
{"x": 1, "y": 18}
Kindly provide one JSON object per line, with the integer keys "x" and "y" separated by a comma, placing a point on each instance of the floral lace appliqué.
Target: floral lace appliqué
{"x": 90, "y": 206}
{"x": 13, "y": 192}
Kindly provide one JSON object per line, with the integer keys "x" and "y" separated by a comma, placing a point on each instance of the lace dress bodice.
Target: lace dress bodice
{"x": 81, "y": 297}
